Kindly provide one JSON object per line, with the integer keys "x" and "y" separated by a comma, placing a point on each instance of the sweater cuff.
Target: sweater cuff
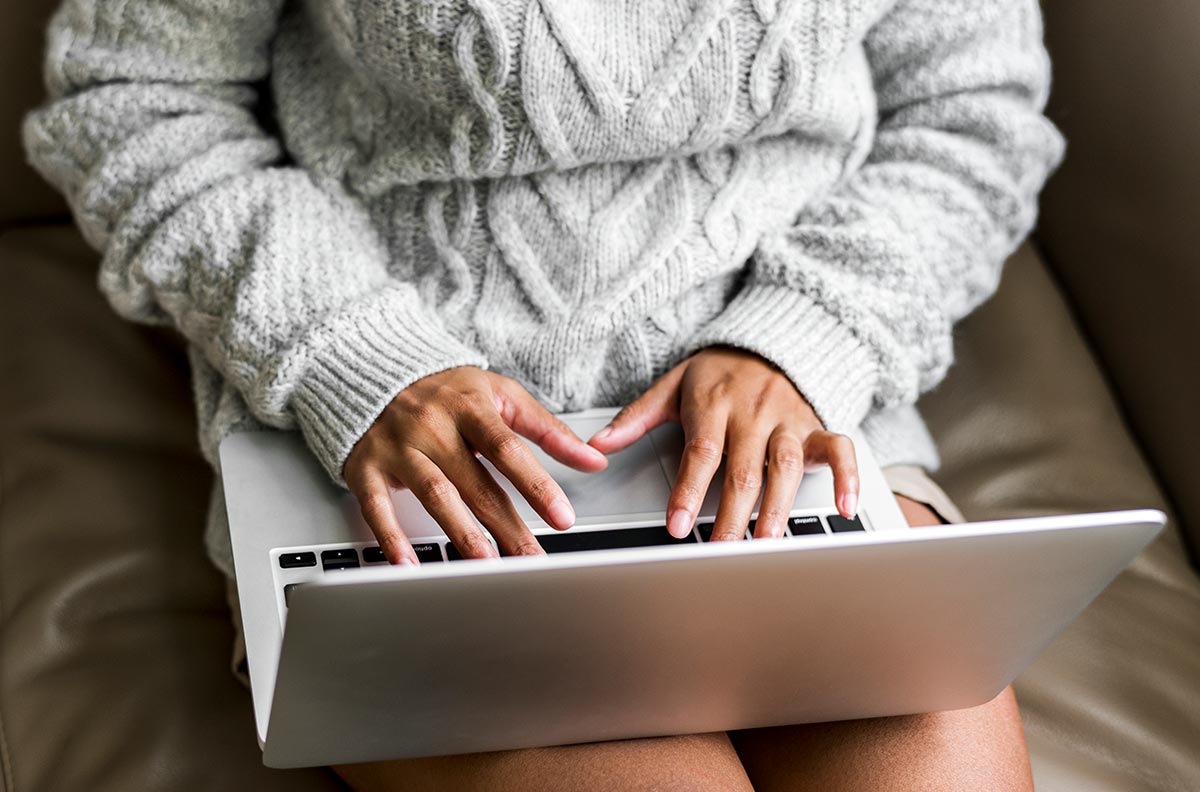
{"x": 819, "y": 353}
{"x": 367, "y": 355}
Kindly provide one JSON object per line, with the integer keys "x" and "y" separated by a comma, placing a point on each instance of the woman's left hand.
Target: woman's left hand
{"x": 735, "y": 403}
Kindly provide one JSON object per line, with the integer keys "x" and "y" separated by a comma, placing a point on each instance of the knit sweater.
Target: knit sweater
{"x": 333, "y": 199}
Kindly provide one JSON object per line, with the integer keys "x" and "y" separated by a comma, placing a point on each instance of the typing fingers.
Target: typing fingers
{"x": 785, "y": 469}
{"x": 837, "y": 451}
{"x": 487, "y": 500}
{"x": 374, "y": 495}
{"x": 653, "y": 408}
{"x": 440, "y": 497}
{"x": 528, "y": 418}
{"x": 704, "y": 441}
{"x": 504, "y": 449}
{"x": 743, "y": 481}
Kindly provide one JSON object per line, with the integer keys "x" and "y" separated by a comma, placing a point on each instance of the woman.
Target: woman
{"x": 410, "y": 230}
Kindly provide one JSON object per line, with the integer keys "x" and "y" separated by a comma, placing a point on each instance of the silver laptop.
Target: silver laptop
{"x": 622, "y": 631}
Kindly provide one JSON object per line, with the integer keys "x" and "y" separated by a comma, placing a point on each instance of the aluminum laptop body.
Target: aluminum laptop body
{"x": 363, "y": 661}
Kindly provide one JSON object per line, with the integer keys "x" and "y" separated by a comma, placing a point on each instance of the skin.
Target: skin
{"x": 735, "y": 404}
{"x": 427, "y": 439}
{"x": 732, "y": 405}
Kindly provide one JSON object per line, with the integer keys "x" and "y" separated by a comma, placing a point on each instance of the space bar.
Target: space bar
{"x": 572, "y": 541}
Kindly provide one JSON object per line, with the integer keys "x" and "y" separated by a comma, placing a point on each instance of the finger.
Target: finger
{"x": 370, "y": 488}
{"x": 530, "y": 419}
{"x": 743, "y": 481}
{"x": 785, "y": 469}
{"x": 837, "y": 451}
{"x": 703, "y": 445}
{"x": 440, "y": 497}
{"x": 492, "y": 438}
{"x": 488, "y": 501}
{"x": 655, "y": 407}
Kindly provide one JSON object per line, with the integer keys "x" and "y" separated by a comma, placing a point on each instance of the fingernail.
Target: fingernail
{"x": 679, "y": 523}
{"x": 406, "y": 561}
{"x": 849, "y": 504}
{"x": 561, "y": 514}
{"x": 603, "y": 433}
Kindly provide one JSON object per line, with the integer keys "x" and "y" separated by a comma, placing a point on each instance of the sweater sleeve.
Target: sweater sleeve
{"x": 274, "y": 274}
{"x": 856, "y": 300}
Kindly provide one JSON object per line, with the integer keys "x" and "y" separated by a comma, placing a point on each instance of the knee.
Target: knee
{"x": 699, "y": 762}
{"x": 695, "y": 763}
{"x": 985, "y": 743}
{"x": 691, "y": 763}
{"x": 917, "y": 514}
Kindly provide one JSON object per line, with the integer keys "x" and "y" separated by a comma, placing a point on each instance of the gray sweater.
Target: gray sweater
{"x": 333, "y": 199}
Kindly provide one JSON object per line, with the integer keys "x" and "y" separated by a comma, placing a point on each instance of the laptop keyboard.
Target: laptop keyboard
{"x": 340, "y": 558}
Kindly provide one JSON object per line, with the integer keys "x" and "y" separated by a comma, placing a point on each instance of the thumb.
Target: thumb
{"x": 655, "y": 407}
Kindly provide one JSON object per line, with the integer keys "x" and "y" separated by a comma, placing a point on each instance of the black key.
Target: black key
{"x": 705, "y": 530}
{"x": 803, "y": 526}
{"x": 427, "y": 552}
{"x": 287, "y": 593}
{"x": 569, "y": 542}
{"x": 293, "y": 560}
{"x": 839, "y": 524}
{"x": 346, "y": 558}
{"x": 452, "y": 553}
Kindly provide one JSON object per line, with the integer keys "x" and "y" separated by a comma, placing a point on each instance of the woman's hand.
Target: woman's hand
{"x": 428, "y": 438}
{"x": 734, "y": 402}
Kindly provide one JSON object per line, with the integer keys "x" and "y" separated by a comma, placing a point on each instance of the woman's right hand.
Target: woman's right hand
{"x": 429, "y": 438}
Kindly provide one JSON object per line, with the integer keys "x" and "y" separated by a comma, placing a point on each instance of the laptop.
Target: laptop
{"x": 621, "y": 631}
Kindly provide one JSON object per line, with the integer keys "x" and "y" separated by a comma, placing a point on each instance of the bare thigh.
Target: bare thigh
{"x": 689, "y": 764}
{"x": 982, "y": 748}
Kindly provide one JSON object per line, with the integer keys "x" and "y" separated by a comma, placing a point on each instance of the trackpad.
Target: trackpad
{"x": 632, "y": 483}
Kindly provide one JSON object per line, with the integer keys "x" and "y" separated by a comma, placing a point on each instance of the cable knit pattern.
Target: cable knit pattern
{"x": 576, "y": 194}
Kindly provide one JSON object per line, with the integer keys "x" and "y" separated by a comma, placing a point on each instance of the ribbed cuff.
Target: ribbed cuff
{"x": 367, "y": 355}
{"x": 899, "y": 436}
{"x": 820, "y": 355}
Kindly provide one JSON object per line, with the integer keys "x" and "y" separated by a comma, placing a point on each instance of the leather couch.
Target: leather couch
{"x": 1075, "y": 390}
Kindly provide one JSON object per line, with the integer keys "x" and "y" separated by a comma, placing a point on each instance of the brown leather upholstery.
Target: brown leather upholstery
{"x": 113, "y": 672}
{"x": 23, "y": 195}
{"x": 1121, "y": 220}
{"x": 114, "y": 650}
{"x": 1027, "y": 426}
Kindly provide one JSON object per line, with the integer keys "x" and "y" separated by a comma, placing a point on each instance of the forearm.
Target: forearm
{"x": 860, "y": 295}
{"x": 278, "y": 278}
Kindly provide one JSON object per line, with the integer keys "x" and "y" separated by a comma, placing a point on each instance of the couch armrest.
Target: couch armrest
{"x": 1120, "y": 221}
